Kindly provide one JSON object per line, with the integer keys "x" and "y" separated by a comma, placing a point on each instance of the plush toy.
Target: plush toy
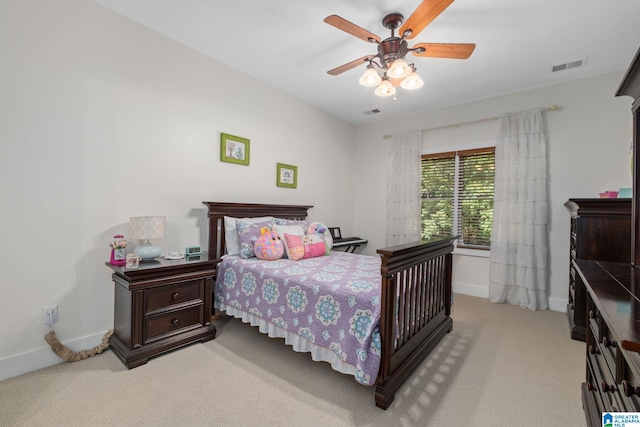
{"x": 268, "y": 246}
{"x": 321, "y": 229}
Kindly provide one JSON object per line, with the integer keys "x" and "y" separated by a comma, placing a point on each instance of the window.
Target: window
{"x": 457, "y": 196}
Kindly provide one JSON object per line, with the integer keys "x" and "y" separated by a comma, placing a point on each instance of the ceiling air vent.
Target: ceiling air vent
{"x": 568, "y": 65}
{"x": 374, "y": 111}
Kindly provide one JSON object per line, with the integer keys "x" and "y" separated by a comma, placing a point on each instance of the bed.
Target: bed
{"x": 396, "y": 305}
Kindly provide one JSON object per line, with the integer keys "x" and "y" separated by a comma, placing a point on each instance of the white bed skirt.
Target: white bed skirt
{"x": 299, "y": 344}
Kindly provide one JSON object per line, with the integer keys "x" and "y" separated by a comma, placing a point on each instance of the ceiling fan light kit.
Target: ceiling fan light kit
{"x": 390, "y": 60}
{"x": 370, "y": 78}
{"x": 385, "y": 88}
{"x": 399, "y": 69}
{"x": 412, "y": 81}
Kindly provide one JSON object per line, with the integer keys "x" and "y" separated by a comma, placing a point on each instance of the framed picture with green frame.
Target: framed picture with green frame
{"x": 234, "y": 149}
{"x": 286, "y": 176}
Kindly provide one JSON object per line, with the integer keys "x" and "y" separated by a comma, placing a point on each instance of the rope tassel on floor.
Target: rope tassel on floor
{"x": 71, "y": 356}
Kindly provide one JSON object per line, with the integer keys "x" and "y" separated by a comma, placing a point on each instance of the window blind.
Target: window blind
{"x": 457, "y": 196}
{"x": 438, "y": 188}
{"x": 474, "y": 201}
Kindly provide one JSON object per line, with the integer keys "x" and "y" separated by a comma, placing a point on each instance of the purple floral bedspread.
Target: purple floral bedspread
{"x": 333, "y": 301}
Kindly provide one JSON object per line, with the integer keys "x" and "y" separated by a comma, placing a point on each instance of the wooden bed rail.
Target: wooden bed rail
{"x": 416, "y": 308}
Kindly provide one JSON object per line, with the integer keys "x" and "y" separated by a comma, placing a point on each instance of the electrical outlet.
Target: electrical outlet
{"x": 49, "y": 315}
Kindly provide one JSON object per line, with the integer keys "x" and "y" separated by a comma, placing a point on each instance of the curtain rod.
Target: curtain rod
{"x": 455, "y": 125}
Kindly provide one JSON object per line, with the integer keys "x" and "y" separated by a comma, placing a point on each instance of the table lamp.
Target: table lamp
{"x": 145, "y": 228}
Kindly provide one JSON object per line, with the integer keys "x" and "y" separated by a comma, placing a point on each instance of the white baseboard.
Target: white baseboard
{"x": 471, "y": 290}
{"x": 555, "y": 304}
{"x": 43, "y": 357}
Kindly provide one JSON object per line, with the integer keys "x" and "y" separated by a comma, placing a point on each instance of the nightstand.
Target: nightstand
{"x": 161, "y": 306}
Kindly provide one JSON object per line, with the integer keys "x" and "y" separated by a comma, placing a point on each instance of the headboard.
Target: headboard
{"x": 218, "y": 210}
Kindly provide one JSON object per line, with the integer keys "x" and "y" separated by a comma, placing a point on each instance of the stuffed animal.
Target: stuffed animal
{"x": 321, "y": 229}
{"x": 268, "y": 246}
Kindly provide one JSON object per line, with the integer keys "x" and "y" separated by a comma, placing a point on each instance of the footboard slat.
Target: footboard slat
{"x": 415, "y": 309}
{"x": 424, "y": 279}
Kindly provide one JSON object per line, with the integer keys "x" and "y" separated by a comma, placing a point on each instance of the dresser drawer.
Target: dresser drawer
{"x": 629, "y": 379}
{"x": 167, "y": 296}
{"x": 602, "y": 380}
{"x": 595, "y": 322}
{"x": 159, "y": 327}
{"x": 593, "y": 389}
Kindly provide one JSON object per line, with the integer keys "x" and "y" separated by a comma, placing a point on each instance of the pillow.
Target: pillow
{"x": 269, "y": 246}
{"x": 296, "y": 230}
{"x": 322, "y": 230}
{"x": 307, "y": 246}
{"x": 283, "y": 221}
{"x": 231, "y": 234}
{"x": 248, "y": 233}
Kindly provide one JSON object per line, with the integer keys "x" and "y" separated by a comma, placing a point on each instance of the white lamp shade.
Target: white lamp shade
{"x": 370, "y": 78}
{"x": 412, "y": 81}
{"x": 146, "y": 227}
{"x": 385, "y": 89}
{"x": 399, "y": 69}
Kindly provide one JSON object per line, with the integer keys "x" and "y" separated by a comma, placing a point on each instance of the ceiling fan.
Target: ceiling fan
{"x": 390, "y": 59}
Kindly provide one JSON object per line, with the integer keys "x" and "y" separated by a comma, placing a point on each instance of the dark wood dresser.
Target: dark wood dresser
{"x": 600, "y": 230}
{"x": 613, "y": 303}
{"x": 161, "y": 306}
{"x": 613, "y": 338}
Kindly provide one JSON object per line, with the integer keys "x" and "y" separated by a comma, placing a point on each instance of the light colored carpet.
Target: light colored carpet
{"x": 501, "y": 365}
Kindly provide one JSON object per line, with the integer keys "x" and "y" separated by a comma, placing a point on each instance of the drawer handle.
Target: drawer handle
{"x": 175, "y": 322}
{"x": 607, "y": 388}
{"x": 630, "y": 390}
{"x": 593, "y": 350}
{"x": 607, "y": 343}
{"x": 175, "y": 296}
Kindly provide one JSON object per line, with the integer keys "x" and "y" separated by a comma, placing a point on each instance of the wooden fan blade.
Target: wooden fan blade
{"x": 423, "y": 16}
{"x": 349, "y": 65}
{"x": 351, "y": 28}
{"x": 444, "y": 50}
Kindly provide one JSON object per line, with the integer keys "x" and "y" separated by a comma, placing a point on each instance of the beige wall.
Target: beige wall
{"x": 589, "y": 138}
{"x": 102, "y": 119}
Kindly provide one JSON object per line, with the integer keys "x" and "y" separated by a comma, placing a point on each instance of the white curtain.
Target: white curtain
{"x": 403, "y": 188}
{"x": 518, "y": 261}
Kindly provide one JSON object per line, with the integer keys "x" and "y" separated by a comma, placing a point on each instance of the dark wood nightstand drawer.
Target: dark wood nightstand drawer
{"x": 159, "y": 327}
{"x": 161, "y": 298}
{"x": 161, "y": 306}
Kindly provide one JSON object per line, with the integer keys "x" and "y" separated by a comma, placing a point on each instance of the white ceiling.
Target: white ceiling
{"x": 286, "y": 44}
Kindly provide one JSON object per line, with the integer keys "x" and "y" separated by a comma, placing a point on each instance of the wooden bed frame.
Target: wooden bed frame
{"x": 415, "y": 300}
